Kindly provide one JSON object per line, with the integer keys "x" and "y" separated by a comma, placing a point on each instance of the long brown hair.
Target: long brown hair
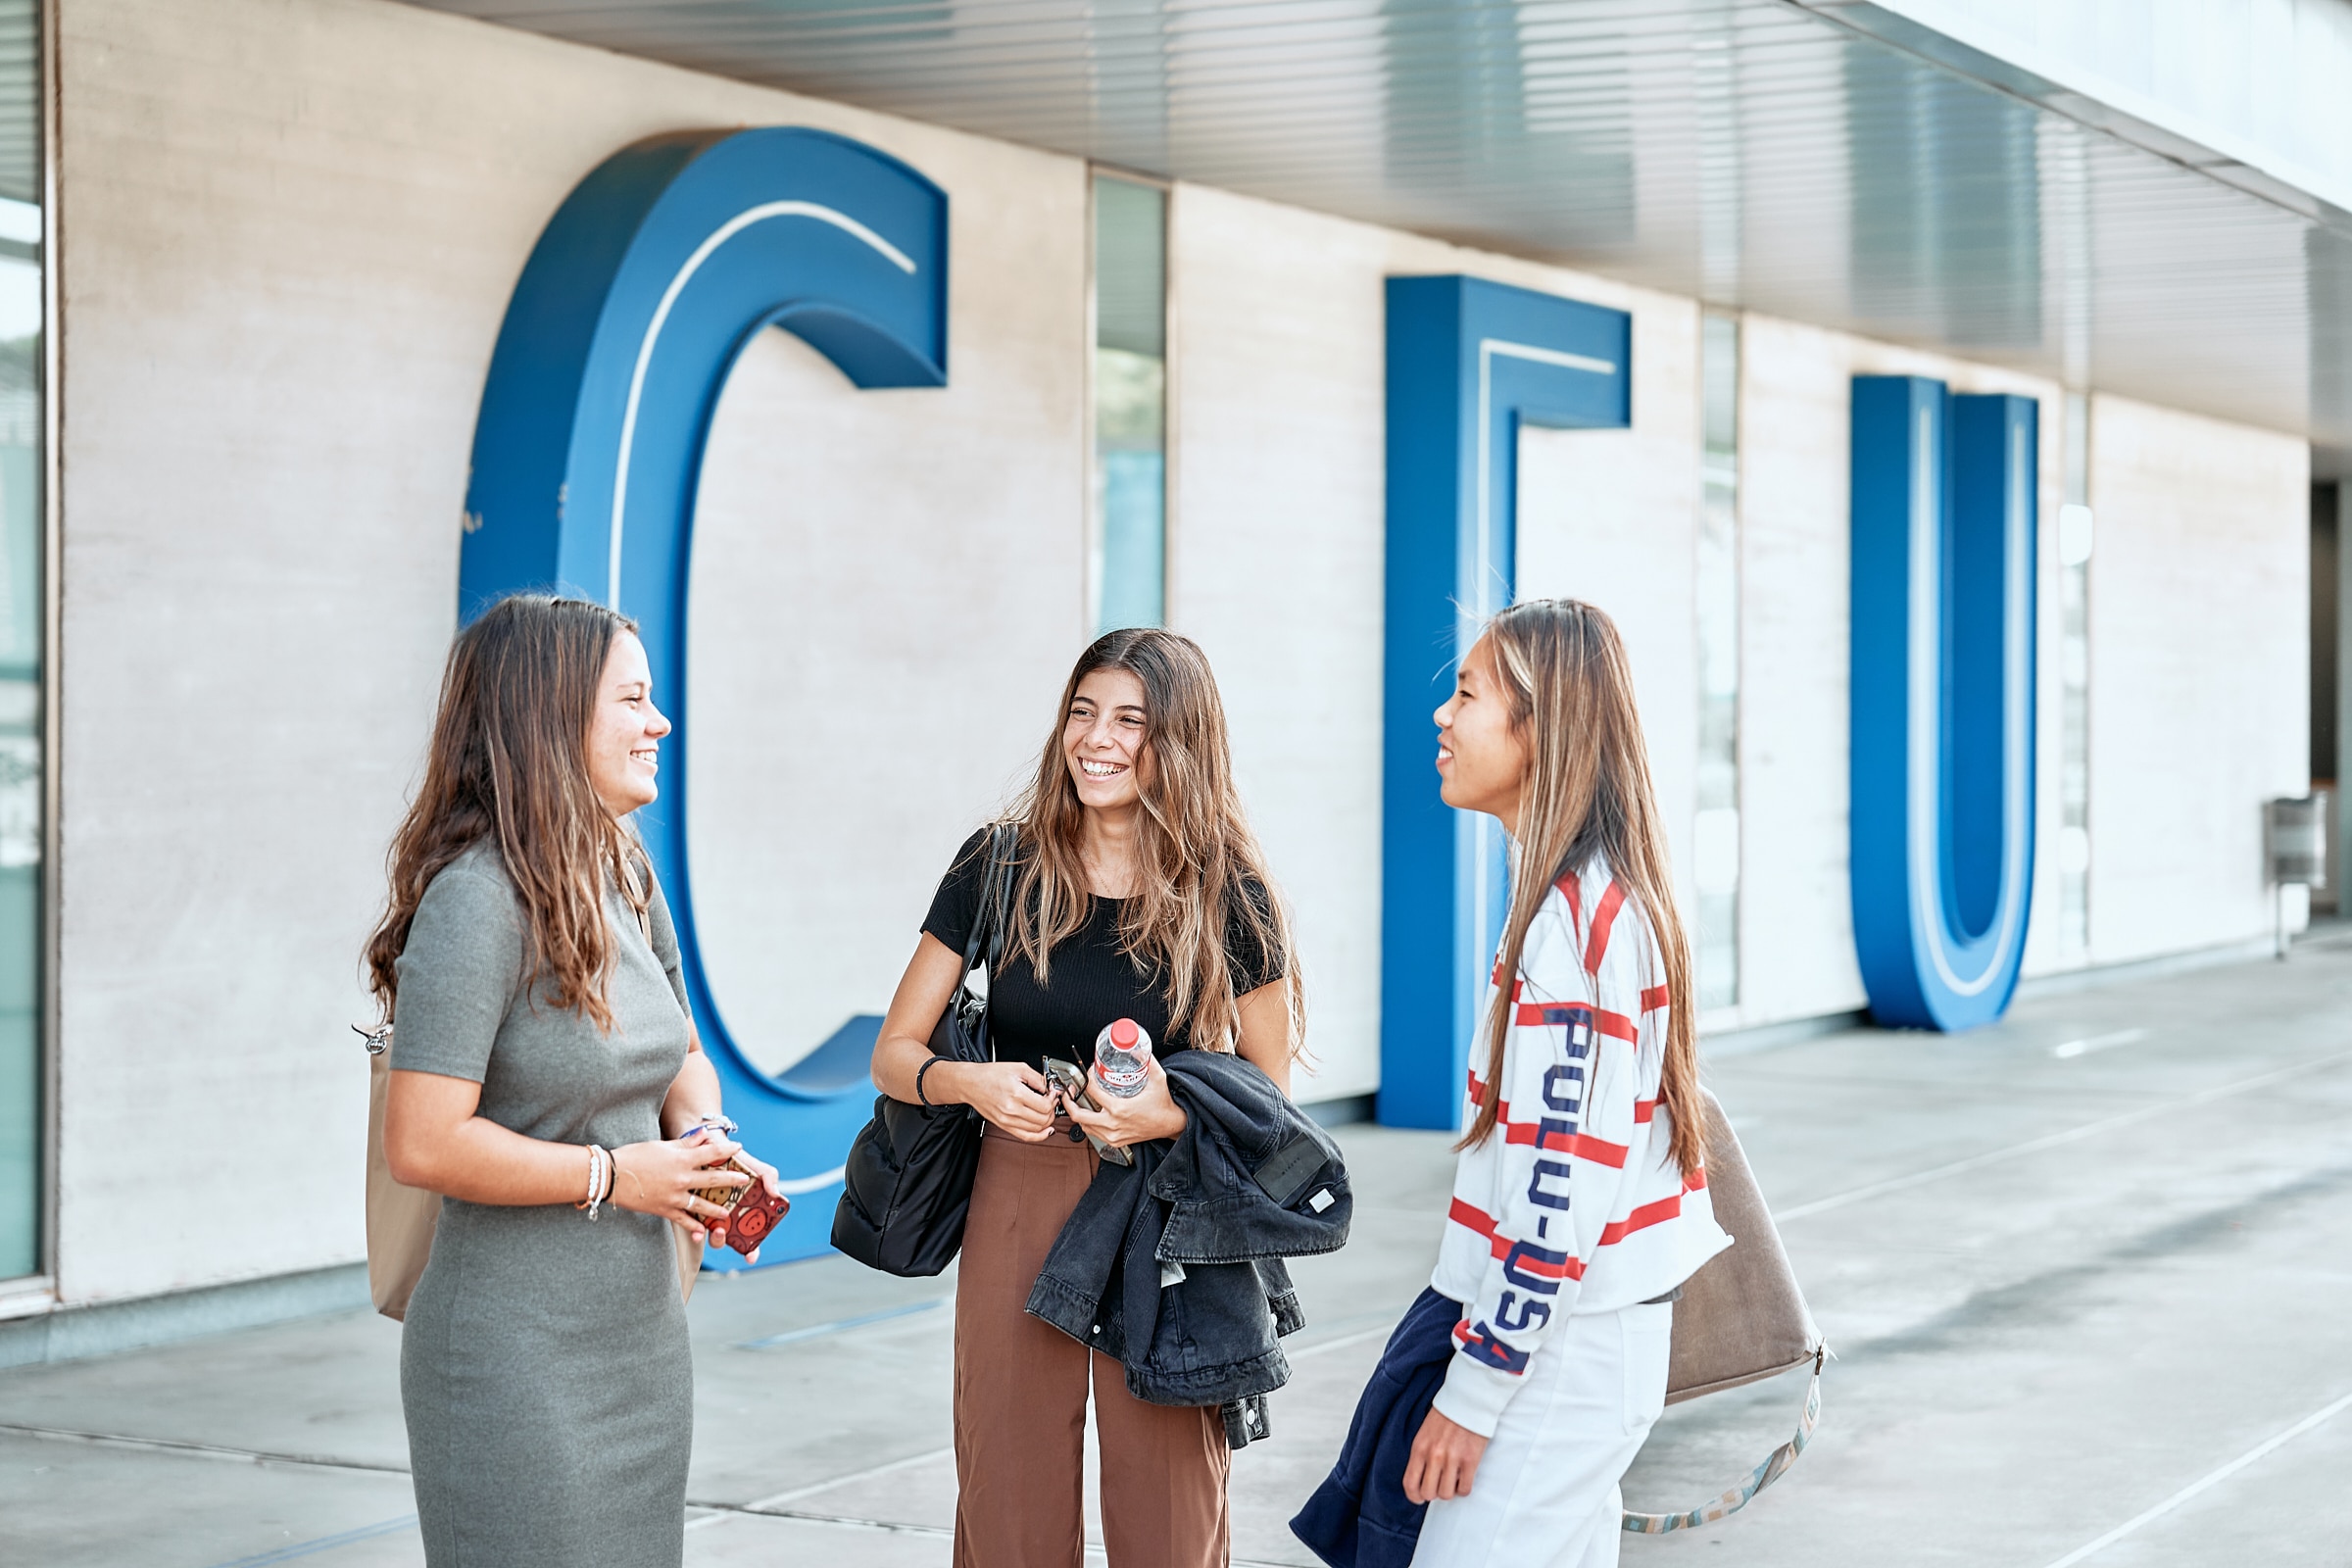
{"x": 1197, "y": 865}
{"x": 1588, "y": 793}
{"x": 508, "y": 763}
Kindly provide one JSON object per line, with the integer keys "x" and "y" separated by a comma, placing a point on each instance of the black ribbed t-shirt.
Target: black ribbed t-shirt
{"x": 1091, "y": 983}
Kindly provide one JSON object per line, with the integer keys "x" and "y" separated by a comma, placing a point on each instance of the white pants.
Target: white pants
{"x": 1546, "y": 1493}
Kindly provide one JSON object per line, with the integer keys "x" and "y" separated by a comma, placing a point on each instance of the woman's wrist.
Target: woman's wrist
{"x": 942, "y": 1082}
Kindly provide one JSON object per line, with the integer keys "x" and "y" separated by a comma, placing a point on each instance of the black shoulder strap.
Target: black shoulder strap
{"x": 995, "y": 890}
{"x": 1004, "y": 848}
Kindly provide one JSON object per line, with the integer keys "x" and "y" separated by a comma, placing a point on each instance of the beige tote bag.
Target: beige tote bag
{"x": 401, "y": 1220}
{"x": 1740, "y": 1319}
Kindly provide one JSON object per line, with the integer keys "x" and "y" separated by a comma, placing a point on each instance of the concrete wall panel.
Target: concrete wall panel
{"x": 290, "y": 230}
{"x": 2199, "y": 672}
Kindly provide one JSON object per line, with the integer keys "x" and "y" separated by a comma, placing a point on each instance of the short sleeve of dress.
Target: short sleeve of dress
{"x": 957, "y": 904}
{"x": 458, "y": 973}
{"x": 1251, "y": 961}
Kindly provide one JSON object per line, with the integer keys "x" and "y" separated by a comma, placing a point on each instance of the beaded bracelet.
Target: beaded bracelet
{"x": 601, "y": 1172}
{"x": 919, "y": 1096}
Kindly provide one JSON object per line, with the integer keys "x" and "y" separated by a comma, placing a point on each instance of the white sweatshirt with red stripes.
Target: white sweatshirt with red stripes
{"x": 1574, "y": 1204}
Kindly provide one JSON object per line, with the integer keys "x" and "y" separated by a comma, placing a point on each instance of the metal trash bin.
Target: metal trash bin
{"x": 2294, "y": 850}
{"x": 2294, "y": 840}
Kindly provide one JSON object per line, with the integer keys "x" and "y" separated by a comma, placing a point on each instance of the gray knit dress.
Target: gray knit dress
{"x": 544, "y": 1369}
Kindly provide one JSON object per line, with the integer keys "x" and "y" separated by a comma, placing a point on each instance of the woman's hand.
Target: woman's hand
{"x": 659, "y": 1178}
{"x": 1011, "y": 1095}
{"x": 766, "y": 1174}
{"x": 1445, "y": 1458}
{"x": 1150, "y": 1112}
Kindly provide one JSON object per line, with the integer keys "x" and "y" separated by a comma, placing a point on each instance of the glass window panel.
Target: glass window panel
{"x": 1127, "y": 561}
{"x": 1715, "y": 841}
{"x": 21, "y": 621}
{"x": 2077, "y": 535}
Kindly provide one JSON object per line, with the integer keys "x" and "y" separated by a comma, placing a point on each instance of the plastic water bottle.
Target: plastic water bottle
{"x": 1123, "y": 1059}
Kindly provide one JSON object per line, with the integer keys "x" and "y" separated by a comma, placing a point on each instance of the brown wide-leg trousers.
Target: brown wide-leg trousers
{"x": 1021, "y": 1401}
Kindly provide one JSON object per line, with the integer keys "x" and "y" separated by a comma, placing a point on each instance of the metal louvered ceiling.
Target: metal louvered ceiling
{"x": 1755, "y": 153}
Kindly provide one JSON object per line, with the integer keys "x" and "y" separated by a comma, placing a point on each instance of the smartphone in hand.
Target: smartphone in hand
{"x": 753, "y": 1211}
{"x": 1070, "y": 1080}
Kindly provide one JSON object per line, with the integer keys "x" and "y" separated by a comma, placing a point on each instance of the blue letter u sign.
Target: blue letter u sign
{"x": 1942, "y": 687}
{"x": 645, "y": 287}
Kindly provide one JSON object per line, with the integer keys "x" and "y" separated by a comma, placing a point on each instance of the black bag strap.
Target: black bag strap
{"x": 996, "y": 891}
{"x": 994, "y": 902}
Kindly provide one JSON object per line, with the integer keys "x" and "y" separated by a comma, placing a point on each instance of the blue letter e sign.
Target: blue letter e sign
{"x": 1470, "y": 364}
{"x": 1942, "y": 687}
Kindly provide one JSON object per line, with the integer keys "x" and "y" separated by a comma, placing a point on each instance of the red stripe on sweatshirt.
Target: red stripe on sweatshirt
{"x": 1555, "y": 1014}
{"x": 1479, "y": 1220}
{"x": 1657, "y": 1214}
{"x": 1654, "y": 998}
{"x": 1583, "y": 1145}
{"x": 1499, "y": 1244}
{"x": 1596, "y": 946}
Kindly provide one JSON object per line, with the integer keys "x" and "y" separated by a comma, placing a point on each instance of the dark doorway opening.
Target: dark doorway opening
{"x": 2328, "y": 686}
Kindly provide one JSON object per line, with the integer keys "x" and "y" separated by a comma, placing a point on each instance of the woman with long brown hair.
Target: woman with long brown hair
{"x": 547, "y": 1081}
{"x": 1140, "y": 893}
{"x": 1580, "y": 1201}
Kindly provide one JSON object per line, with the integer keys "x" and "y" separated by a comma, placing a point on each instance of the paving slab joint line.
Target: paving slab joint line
{"x": 841, "y": 1325}
{"x": 2214, "y": 1478}
{"x": 307, "y": 1549}
{"x": 199, "y": 1450}
{"x": 773, "y": 1506}
{"x": 846, "y": 1521}
{"x": 2034, "y": 1145}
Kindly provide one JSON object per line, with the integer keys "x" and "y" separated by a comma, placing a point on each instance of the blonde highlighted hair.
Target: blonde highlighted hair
{"x": 1569, "y": 686}
{"x": 1200, "y": 873}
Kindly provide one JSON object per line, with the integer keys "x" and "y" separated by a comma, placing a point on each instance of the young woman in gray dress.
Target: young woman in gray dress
{"x": 546, "y": 1080}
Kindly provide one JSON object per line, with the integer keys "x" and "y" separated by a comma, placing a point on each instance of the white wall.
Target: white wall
{"x": 289, "y": 228}
{"x": 2199, "y": 672}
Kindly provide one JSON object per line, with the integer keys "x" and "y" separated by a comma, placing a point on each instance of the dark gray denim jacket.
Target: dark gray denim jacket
{"x": 1174, "y": 1264}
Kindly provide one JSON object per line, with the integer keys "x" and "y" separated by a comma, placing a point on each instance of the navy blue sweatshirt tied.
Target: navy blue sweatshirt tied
{"x": 1360, "y": 1516}
{"x": 1173, "y": 1265}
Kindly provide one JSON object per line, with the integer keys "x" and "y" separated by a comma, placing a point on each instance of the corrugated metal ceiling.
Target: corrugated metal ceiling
{"x": 1750, "y": 152}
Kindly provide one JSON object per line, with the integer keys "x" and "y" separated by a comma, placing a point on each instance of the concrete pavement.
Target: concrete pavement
{"x": 2087, "y": 1272}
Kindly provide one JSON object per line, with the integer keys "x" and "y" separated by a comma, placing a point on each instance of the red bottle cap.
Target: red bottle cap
{"x": 1123, "y": 1033}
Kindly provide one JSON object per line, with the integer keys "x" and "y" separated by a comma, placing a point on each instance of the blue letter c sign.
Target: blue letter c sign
{"x": 643, "y": 289}
{"x": 1942, "y": 692}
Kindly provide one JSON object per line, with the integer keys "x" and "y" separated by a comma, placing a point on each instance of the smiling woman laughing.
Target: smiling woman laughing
{"x": 1140, "y": 894}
